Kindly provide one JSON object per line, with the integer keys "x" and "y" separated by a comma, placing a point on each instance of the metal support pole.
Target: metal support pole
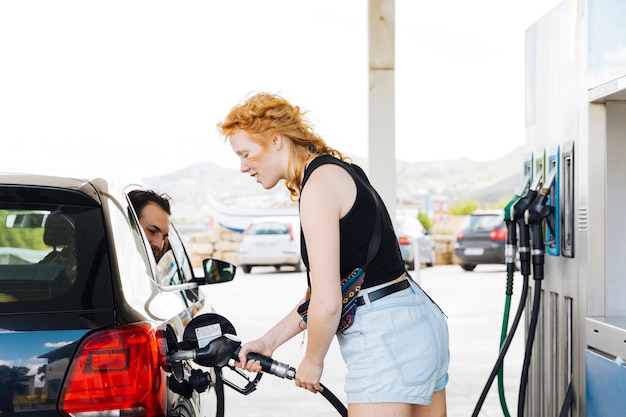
{"x": 382, "y": 140}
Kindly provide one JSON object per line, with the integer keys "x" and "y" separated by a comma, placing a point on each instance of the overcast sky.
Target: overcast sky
{"x": 137, "y": 87}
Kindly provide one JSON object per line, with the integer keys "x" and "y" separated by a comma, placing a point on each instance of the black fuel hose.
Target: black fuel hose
{"x": 529, "y": 346}
{"x": 516, "y": 215}
{"x": 568, "y": 401}
{"x": 269, "y": 365}
{"x": 505, "y": 347}
{"x": 283, "y": 370}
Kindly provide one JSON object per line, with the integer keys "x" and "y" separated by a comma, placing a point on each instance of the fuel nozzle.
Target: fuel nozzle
{"x": 216, "y": 353}
{"x": 509, "y": 210}
{"x": 534, "y": 216}
{"x": 517, "y": 215}
{"x": 510, "y": 247}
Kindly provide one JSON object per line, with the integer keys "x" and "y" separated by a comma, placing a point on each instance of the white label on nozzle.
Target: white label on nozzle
{"x": 205, "y": 334}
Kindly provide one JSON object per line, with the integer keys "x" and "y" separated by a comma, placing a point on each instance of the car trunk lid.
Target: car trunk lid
{"x": 34, "y": 364}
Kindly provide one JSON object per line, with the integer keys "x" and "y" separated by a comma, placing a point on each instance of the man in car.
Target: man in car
{"x": 153, "y": 211}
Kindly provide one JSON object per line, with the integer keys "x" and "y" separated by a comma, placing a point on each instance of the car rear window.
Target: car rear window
{"x": 53, "y": 252}
{"x": 483, "y": 222}
{"x": 268, "y": 228}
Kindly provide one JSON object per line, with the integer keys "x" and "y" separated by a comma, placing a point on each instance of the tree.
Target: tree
{"x": 425, "y": 221}
{"x": 17, "y": 237}
{"x": 464, "y": 208}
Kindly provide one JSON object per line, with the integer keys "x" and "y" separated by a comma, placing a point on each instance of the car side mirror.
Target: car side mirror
{"x": 216, "y": 271}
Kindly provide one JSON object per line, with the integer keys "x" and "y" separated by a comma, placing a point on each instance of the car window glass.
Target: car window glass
{"x": 167, "y": 271}
{"x": 269, "y": 228}
{"x": 484, "y": 222}
{"x": 143, "y": 246}
{"x": 52, "y": 256}
{"x": 179, "y": 265}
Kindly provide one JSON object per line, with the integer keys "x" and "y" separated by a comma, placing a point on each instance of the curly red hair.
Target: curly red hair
{"x": 263, "y": 116}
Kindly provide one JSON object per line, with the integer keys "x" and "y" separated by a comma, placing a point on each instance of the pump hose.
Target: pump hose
{"x": 510, "y": 271}
{"x": 529, "y": 346}
{"x": 505, "y": 325}
{"x": 334, "y": 401}
{"x": 219, "y": 392}
{"x": 568, "y": 401}
{"x": 511, "y": 242}
{"x": 505, "y": 347}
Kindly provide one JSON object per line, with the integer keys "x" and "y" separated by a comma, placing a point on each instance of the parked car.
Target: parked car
{"x": 87, "y": 330}
{"x": 481, "y": 239}
{"x": 416, "y": 245}
{"x": 271, "y": 241}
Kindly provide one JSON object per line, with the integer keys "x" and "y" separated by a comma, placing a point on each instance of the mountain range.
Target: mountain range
{"x": 488, "y": 183}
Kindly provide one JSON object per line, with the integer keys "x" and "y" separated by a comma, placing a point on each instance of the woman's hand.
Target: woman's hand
{"x": 309, "y": 374}
{"x": 257, "y": 346}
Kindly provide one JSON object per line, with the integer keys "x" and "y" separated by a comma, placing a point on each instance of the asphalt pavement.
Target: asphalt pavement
{"x": 473, "y": 301}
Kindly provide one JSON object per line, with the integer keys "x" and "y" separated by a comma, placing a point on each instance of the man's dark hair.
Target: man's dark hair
{"x": 140, "y": 198}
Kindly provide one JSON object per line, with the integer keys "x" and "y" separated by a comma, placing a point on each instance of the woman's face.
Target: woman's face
{"x": 265, "y": 165}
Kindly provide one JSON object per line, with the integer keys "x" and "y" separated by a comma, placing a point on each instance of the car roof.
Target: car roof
{"x": 111, "y": 185}
{"x": 276, "y": 219}
{"x": 487, "y": 212}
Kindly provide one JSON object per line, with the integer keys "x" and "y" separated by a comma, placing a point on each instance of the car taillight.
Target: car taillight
{"x": 459, "y": 235}
{"x": 290, "y": 228}
{"x": 119, "y": 371}
{"x": 498, "y": 234}
{"x": 404, "y": 241}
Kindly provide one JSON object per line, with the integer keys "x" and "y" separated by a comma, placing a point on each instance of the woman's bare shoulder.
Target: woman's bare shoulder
{"x": 330, "y": 184}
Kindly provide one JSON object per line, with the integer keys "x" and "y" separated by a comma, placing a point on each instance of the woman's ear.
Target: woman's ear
{"x": 278, "y": 141}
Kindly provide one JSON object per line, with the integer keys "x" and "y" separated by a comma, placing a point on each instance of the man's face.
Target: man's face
{"x": 156, "y": 225}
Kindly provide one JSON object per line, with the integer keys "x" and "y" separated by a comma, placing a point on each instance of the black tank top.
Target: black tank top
{"x": 355, "y": 230}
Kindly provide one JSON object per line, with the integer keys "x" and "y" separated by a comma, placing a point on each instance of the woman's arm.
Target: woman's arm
{"x": 329, "y": 194}
{"x": 281, "y": 332}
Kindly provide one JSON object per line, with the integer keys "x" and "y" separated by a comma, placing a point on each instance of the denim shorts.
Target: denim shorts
{"x": 397, "y": 349}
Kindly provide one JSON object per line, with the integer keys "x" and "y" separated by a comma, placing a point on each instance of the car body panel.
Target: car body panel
{"x": 47, "y": 353}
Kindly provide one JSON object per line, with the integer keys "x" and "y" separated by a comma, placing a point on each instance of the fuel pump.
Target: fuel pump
{"x": 534, "y": 217}
{"x": 516, "y": 209}
{"x": 525, "y": 216}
